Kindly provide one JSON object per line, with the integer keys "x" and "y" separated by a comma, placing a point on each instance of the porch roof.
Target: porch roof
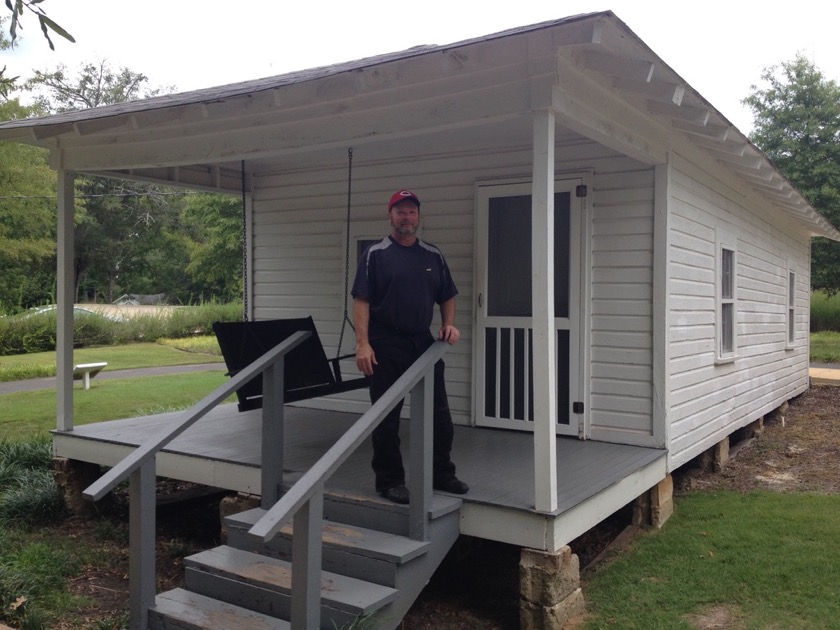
{"x": 466, "y": 94}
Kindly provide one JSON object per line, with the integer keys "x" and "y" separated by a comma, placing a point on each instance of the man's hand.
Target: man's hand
{"x": 365, "y": 358}
{"x": 448, "y": 333}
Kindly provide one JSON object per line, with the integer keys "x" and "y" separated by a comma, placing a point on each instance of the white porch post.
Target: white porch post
{"x": 544, "y": 330}
{"x": 65, "y": 294}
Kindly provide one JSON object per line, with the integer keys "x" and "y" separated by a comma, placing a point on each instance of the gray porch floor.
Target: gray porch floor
{"x": 223, "y": 450}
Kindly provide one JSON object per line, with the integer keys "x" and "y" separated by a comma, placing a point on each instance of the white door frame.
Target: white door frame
{"x": 578, "y": 425}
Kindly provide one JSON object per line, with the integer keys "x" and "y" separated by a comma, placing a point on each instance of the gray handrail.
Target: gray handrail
{"x": 313, "y": 480}
{"x": 304, "y": 501}
{"x": 150, "y": 448}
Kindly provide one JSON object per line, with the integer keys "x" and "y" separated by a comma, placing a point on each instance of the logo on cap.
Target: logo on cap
{"x": 403, "y": 195}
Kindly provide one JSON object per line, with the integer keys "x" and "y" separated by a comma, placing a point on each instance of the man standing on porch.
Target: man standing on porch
{"x": 398, "y": 282}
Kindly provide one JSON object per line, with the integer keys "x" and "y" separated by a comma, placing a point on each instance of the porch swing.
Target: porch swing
{"x": 308, "y": 372}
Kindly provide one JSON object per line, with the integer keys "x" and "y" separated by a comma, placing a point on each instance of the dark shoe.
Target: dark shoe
{"x": 453, "y": 485}
{"x": 397, "y": 494}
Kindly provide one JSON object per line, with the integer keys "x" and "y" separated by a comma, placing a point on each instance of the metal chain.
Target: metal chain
{"x": 346, "y": 318}
{"x": 244, "y": 249}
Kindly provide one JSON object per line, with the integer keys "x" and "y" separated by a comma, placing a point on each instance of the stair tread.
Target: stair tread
{"x": 442, "y": 504}
{"x": 199, "y": 611}
{"x": 361, "y": 540}
{"x": 343, "y": 592}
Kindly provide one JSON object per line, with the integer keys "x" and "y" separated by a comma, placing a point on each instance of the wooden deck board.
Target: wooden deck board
{"x": 496, "y": 463}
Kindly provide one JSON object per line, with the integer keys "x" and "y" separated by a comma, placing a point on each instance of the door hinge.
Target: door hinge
{"x": 581, "y": 191}
{"x": 577, "y": 407}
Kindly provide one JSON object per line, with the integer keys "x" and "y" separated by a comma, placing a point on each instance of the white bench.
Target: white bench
{"x": 86, "y": 371}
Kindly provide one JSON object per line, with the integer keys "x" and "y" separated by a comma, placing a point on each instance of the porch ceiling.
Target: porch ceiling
{"x": 477, "y": 95}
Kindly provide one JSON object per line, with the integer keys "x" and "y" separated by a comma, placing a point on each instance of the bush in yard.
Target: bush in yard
{"x": 36, "y": 332}
{"x": 825, "y": 312}
{"x": 28, "y": 492}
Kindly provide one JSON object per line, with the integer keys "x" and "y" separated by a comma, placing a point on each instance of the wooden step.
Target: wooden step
{"x": 183, "y": 610}
{"x": 374, "y": 512}
{"x": 354, "y": 551}
{"x": 263, "y": 584}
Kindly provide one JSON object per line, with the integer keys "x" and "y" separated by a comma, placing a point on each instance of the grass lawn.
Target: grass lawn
{"x": 825, "y": 347}
{"x": 135, "y": 355}
{"x": 756, "y": 560}
{"x": 27, "y": 414}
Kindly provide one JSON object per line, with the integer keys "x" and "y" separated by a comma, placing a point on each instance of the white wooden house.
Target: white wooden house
{"x": 634, "y": 274}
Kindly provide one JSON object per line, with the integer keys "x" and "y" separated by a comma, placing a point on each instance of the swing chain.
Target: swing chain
{"x": 346, "y": 318}
{"x": 244, "y": 249}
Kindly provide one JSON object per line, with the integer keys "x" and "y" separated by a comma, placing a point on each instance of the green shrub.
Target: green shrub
{"x": 825, "y": 312}
{"x": 32, "y": 498}
{"x": 26, "y": 333}
{"x": 31, "y": 453}
{"x": 28, "y": 492}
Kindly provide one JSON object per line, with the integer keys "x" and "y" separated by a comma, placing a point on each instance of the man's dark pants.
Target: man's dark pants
{"x": 394, "y": 354}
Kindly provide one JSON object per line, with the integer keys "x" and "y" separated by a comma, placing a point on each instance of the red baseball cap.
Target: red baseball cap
{"x": 403, "y": 195}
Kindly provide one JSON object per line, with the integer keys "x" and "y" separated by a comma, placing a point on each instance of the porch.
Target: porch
{"x": 222, "y": 449}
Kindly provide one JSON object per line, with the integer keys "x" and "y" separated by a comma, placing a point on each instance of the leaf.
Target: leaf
{"x": 56, "y": 28}
{"x": 46, "y": 33}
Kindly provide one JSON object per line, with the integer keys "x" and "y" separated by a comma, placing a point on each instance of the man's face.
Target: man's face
{"x": 405, "y": 217}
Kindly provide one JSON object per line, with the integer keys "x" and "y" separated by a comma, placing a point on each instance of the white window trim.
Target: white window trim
{"x": 364, "y": 231}
{"x": 725, "y": 241}
{"x": 790, "y": 308}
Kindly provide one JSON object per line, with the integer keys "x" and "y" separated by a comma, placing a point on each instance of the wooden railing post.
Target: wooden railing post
{"x": 141, "y": 571}
{"x": 304, "y": 501}
{"x": 139, "y": 467}
{"x": 306, "y": 559}
{"x": 420, "y": 457}
{"x": 272, "y": 434}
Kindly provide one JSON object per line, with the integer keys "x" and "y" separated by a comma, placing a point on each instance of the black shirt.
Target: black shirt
{"x": 402, "y": 285}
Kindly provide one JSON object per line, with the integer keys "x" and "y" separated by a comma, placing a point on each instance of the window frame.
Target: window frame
{"x": 726, "y": 300}
{"x": 790, "y": 309}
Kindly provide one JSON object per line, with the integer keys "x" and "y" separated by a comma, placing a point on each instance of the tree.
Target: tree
{"x": 118, "y": 227}
{"x": 114, "y": 218}
{"x": 797, "y": 124}
{"x": 27, "y": 221}
{"x": 140, "y": 238}
{"x": 92, "y": 85}
{"x": 216, "y": 253}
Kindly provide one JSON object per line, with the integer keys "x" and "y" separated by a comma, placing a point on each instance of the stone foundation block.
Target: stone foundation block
{"x": 547, "y": 578}
{"x": 662, "y": 501}
{"x": 535, "y": 617}
{"x": 720, "y": 454}
{"x": 641, "y": 510}
{"x": 755, "y": 429}
{"x": 72, "y": 477}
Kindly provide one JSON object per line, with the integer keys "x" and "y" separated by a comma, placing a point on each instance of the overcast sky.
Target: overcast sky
{"x": 719, "y": 48}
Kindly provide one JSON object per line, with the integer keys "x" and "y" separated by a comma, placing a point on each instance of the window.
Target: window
{"x": 362, "y": 234}
{"x": 791, "y": 309}
{"x": 726, "y": 310}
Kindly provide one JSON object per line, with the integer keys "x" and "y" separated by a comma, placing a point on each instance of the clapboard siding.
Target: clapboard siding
{"x": 710, "y": 399}
{"x": 313, "y": 206}
{"x": 299, "y": 239}
{"x": 622, "y": 304}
